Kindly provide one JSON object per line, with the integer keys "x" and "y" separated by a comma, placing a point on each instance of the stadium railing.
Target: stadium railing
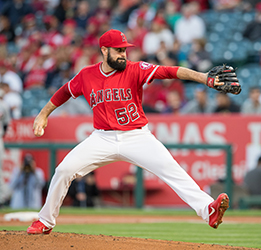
{"x": 139, "y": 189}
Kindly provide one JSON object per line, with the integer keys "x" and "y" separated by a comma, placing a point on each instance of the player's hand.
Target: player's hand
{"x": 39, "y": 125}
{"x": 217, "y": 82}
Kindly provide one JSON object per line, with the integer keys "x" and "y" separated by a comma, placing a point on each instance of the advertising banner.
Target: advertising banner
{"x": 116, "y": 180}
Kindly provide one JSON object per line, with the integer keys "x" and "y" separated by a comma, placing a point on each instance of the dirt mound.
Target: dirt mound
{"x": 14, "y": 240}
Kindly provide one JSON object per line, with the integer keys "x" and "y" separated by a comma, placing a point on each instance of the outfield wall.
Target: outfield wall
{"x": 116, "y": 180}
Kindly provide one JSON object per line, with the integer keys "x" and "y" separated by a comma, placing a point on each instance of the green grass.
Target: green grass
{"x": 134, "y": 211}
{"x": 236, "y": 234}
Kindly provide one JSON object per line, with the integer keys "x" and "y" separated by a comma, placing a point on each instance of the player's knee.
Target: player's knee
{"x": 63, "y": 171}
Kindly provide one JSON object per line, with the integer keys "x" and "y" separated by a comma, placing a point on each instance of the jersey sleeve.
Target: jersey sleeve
{"x": 146, "y": 72}
{"x": 75, "y": 85}
{"x": 61, "y": 95}
{"x": 166, "y": 72}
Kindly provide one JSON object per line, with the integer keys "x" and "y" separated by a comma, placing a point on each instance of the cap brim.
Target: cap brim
{"x": 123, "y": 45}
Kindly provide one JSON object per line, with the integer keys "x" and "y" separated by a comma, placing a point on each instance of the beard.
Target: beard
{"x": 118, "y": 64}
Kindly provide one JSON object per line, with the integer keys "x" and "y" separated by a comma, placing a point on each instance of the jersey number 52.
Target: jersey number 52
{"x": 124, "y": 115}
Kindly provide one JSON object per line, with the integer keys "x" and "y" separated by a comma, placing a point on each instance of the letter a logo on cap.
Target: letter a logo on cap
{"x": 123, "y": 38}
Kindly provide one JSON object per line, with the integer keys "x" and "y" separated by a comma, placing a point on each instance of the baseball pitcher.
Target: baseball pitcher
{"x": 113, "y": 89}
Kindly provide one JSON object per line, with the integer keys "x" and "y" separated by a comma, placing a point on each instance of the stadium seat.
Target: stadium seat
{"x": 33, "y": 101}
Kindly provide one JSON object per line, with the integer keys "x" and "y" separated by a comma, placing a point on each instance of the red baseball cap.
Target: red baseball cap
{"x": 114, "y": 39}
{"x": 70, "y": 22}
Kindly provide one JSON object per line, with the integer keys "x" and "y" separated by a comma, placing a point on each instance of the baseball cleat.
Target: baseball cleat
{"x": 38, "y": 228}
{"x": 217, "y": 209}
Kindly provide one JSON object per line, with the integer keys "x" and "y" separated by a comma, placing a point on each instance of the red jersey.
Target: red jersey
{"x": 115, "y": 98}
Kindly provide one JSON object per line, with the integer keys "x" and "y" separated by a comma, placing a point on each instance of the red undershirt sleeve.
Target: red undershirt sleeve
{"x": 61, "y": 95}
{"x": 166, "y": 72}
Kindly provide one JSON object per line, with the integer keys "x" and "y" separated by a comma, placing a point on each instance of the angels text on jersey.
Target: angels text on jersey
{"x": 109, "y": 95}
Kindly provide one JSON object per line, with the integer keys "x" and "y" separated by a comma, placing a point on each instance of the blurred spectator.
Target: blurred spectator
{"x": 82, "y": 14}
{"x": 135, "y": 54}
{"x": 37, "y": 76}
{"x": 84, "y": 191}
{"x": 61, "y": 77}
{"x": 12, "y": 86}
{"x": 13, "y": 101}
{"x": 75, "y": 49}
{"x": 27, "y": 58}
{"x": 46, "y": 54}
{"x": 203, "y": 5}
{"x": 61, "y": 56}
{"x": 35, "y": 70}
{"x": 69, "y": 31}
{"x": 15, "y": 10}
{"x": 51, "y": 5}
{"x": 104, "y": 27}
{"x": 4, "y": 121}
{"x": 200, "y": 103}
{"x": 127, "y": 186}
{"x": 29, "y": 26}
{"x": 39, "y": 6}
{"x": 10, "y": 77}
{"x": 149, "y": 109}
{"x": 253, "y": 29}
{"x": 253, "y": 104}
{"x": 89, "y": 55}
{"x": 51, "y": 35}
{"x": 29, "y": 38}
{"x": 198, "y": 58}
{"x": 64, "y": 10}
{"x": 225, "y": 105}
{"x": 26, "y": 184}
{"x": 166, "y": 55}
{"x": 190, "y": 26}
{"x": 196, "y": 7}
{"x": 92, "y": 32}
{"x": 141, "y": 10}
{"x": 137, "y": 33}
{"x": 155, "y": 94}
{"x": 174, "y": 102}
{"x": 172, "y": 15}
{"x": 225, "y": 4}
{"x": 160, "y": 35}
{"x": 6, "y": 31}
{"x": 103, "y": 11}
{"x": 252, "y": 179}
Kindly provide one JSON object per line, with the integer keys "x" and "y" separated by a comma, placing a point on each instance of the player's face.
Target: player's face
{"x": 116, "y": 58}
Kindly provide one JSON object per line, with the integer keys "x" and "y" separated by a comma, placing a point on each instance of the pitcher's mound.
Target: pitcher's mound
{"x": 14, "y": 240}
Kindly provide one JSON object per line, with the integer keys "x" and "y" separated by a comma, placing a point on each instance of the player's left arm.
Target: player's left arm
{"x": 195, "y": 76}
{"x": 176, "y": 72}
{"x": 221, "y": 78}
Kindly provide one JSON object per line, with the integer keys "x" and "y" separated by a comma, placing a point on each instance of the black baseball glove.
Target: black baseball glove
{"x": 226, "y": 74}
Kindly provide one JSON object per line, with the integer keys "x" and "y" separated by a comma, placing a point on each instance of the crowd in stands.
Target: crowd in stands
{"x": 44, "y": 43}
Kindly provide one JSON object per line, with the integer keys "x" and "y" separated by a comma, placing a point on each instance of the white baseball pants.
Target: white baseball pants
{"x": 138, "y": 147}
